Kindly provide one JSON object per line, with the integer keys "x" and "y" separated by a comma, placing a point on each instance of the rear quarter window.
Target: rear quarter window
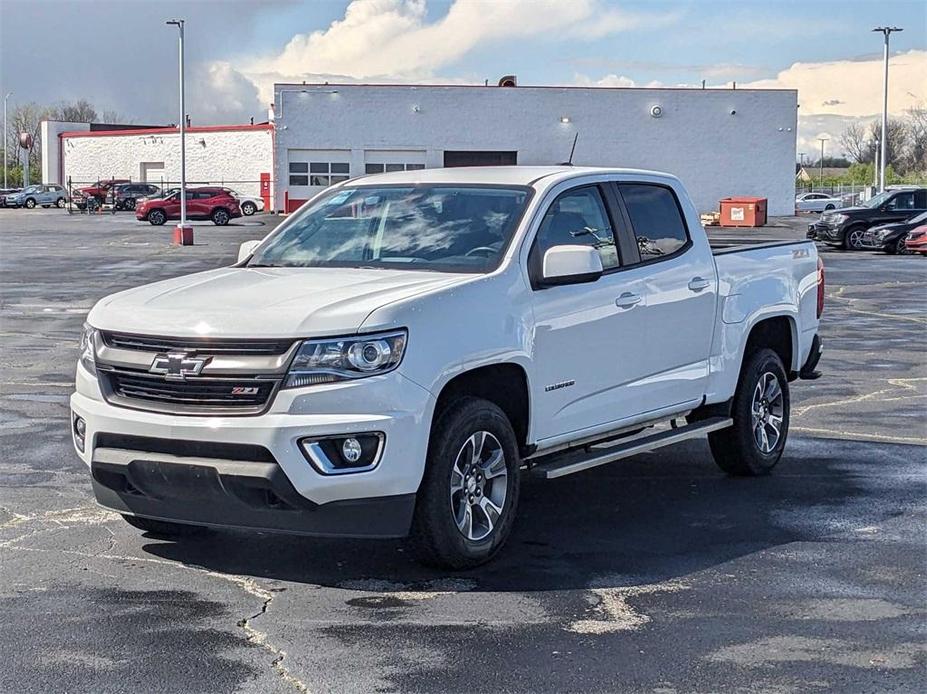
{"x": 656, "y": 218}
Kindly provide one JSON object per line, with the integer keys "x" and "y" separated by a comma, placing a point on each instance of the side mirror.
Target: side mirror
{"x": 246, "y": 249}
{"x": 571, "y": 265}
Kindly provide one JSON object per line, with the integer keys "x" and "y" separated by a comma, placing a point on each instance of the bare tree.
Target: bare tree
{"x": 81, "y": 111}
{"x": 897, "y": 135}
{"x": 856, "y": 143}
{"x": 916, "y": 150}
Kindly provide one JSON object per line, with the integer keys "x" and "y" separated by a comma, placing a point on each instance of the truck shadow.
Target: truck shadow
{"x": 651, "y": 518}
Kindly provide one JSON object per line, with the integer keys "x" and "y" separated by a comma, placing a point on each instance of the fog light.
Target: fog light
{"x": 80, "y": 432}
{"x": 339, "y": 455}
{"x": 351, "y": 450}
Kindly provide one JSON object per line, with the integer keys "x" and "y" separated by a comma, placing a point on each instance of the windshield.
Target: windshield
{"x": 877, "y": 200}
{"x": 32, "y": 189}
{"x": 443, "y": 228}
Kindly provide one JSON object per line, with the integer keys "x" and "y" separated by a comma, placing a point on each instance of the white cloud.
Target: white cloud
{"x": 378, "y": 40}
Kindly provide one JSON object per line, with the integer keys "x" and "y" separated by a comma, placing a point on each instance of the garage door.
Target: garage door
{"x": 385, "y": 161}
{"x": 310, "y": 171}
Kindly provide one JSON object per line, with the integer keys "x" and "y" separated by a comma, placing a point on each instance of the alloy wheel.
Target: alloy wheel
{"x": 479, "y": 486}
{"x": 855, "y": 239}
{"x": 768, "y": 408}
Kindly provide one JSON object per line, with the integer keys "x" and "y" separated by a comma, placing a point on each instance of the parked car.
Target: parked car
{"x": 916, "y": 241}
{"x": 389, "y": 359}
{"x": 249, "y": 204}
{"x": 125, "y": 195}
{"x": 99, "y": 190}
{"x": 44, "y": 195}
{"x": 817, "y": 202}
{"x": 847, "y": 227}
{"x": 202, "y": 203}
{"x": 891, "y": 237}
{"x": 7, "y": 191}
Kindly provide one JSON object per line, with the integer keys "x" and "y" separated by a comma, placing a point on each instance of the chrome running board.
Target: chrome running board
{"x": 567, "y": 464}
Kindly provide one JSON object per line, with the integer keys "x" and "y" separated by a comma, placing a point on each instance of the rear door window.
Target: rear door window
{"x": 656, "y": 218}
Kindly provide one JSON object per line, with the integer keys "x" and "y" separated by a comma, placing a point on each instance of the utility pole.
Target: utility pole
{"x": 886, "y": 32}
{"x": 6, "y": 139}
{"x": 821, "y": 180}
{"x": 180, "y": 231}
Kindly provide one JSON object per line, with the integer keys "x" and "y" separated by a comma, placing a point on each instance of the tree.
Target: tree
{"x": 856, "y": 143}
{"x": 81, "y": 111}
{"x": 897, "y": 134}
{"x": 916, "y": 150}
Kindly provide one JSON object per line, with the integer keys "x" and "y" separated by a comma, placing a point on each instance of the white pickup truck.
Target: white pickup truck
{"x": 395, "y": 356}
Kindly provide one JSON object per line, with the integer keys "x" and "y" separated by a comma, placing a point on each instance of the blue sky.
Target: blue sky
{"x": 120, "y": 55}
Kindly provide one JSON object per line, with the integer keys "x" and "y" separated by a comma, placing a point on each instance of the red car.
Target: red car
{"x": 916, "y": 242}
{"x": 98, "y": 190}
{"x": 216, "y": 204}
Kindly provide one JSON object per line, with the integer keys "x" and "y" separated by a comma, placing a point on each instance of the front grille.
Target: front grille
{"x": 149, "y": 343}
{"x": 199, "y": 395}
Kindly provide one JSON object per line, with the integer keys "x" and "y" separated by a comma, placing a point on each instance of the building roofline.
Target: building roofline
{"x": 348, "y": 85}
{"x": 166, "y": 130}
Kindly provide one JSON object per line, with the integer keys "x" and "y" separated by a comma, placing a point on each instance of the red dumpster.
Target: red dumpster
{"x": 743, "y": 212}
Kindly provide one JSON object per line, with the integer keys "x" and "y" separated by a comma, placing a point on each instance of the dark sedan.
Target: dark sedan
{"x": 891, "y": 237}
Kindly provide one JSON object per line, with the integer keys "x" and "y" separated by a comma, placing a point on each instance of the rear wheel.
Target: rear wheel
{"x": 828, "y": 207}
{"x": 248, "y": 208}
{"x": 760, "y": 410}
{"x": 469, "y": 494}
{"x": 220, "y": 217}
{"x": 853, "y": 238}
{"x": 157, "y": 217}
{"x": 164, "y": 528}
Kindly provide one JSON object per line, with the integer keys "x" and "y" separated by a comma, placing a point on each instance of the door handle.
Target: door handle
{"x": 697, "y": 284}
{"x": 627, "y": 300}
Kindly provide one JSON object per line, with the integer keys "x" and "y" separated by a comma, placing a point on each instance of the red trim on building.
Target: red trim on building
{"x": 166, "y": 131}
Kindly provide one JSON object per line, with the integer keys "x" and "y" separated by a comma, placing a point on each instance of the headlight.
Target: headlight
{"x": 87, "y": 350}
{"x": 328, "y": 361}
{"x": 882, "y": 233}
{"x": 839, "y": 218}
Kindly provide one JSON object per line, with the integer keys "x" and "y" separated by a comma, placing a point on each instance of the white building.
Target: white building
{"x": 720, "y": 142}
{"x": 237, "y": 156}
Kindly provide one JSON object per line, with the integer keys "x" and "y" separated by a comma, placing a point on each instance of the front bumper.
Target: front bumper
{"x": 249, "y": 471}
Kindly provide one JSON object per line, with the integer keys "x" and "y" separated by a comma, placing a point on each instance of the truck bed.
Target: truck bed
{"x": 723, "y": 246}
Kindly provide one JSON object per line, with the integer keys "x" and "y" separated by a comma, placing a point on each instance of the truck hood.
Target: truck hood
{"x": 263, "y": 302}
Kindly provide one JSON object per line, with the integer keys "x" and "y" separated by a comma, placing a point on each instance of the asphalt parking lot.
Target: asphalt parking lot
{"x": 655, "y": 574}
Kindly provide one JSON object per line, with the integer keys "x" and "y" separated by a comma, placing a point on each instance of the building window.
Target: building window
{"x": 388, "y": 168}
{"x": 321, "y": 173}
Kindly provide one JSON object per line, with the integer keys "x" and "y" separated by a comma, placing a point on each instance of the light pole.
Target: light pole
{"x": 182, "y": 226}
{"x": 821, "y": 180}
{"x": 6, "y": 139}
{"x": 886, "y": 32}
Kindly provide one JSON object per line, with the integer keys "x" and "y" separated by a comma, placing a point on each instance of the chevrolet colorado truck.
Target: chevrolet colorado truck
{"x": 398, "y": 354}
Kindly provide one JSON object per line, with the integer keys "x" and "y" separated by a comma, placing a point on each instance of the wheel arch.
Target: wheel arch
{"x": 779, "y": 333}
{"x": 505, "y": 384}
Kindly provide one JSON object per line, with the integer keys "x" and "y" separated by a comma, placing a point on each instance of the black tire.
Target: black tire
{"x": 128, "y": 204}
{"x": 220, "y": 216}
{"x": 435, "y": 537}
{"x": 248, "y": 208}
{"x": 736, "y": 449}
{"x": 157, "y": 217}
{"x": 828, "y": 207}
{"x": 900, "y": 247}
{"x": 853, "y": 237}
{"x": 164, "y": 528}
{"x": 59, "y": 203}
{"x": 29, "y": 204}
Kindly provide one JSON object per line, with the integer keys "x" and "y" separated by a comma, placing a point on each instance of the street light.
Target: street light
{"x": 886, "y": 32}
{"x": 181, "y": 229}
{"x": 821, "y": 180}
{"x": 6, "y": 140}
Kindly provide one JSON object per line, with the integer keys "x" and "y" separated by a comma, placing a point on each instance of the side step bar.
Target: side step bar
{"x": 561, "y": 466}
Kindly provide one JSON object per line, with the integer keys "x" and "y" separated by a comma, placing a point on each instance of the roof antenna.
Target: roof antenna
{"x": 569, "y": 162}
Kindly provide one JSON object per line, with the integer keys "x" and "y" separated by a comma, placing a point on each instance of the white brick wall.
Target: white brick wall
{"x": 235, "y": 158}
{"x": 715, "y": 153}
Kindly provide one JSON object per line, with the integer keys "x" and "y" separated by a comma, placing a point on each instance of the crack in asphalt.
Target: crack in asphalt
{"x": 838, "y": 295}
{"x": 91, "y": 515}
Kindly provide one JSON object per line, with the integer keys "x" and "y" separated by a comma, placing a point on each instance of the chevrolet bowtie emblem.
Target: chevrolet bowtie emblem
{"x": 177, "y": 366}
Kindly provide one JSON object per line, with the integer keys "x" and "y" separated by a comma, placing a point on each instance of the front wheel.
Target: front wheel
{"x": 853, "y": 239}
{"x": 30, "y": 203}
{"x": 220, "y": 217}
{"x": 469, "y": 494}
{"x": 129, "y": 204}
{"x": 157, "y": 217}
{"x": 754, "y": 443}
{"x": 59, "y": 203}
{"x": 900, "y": 247}
{"x": 161, "y": 528}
